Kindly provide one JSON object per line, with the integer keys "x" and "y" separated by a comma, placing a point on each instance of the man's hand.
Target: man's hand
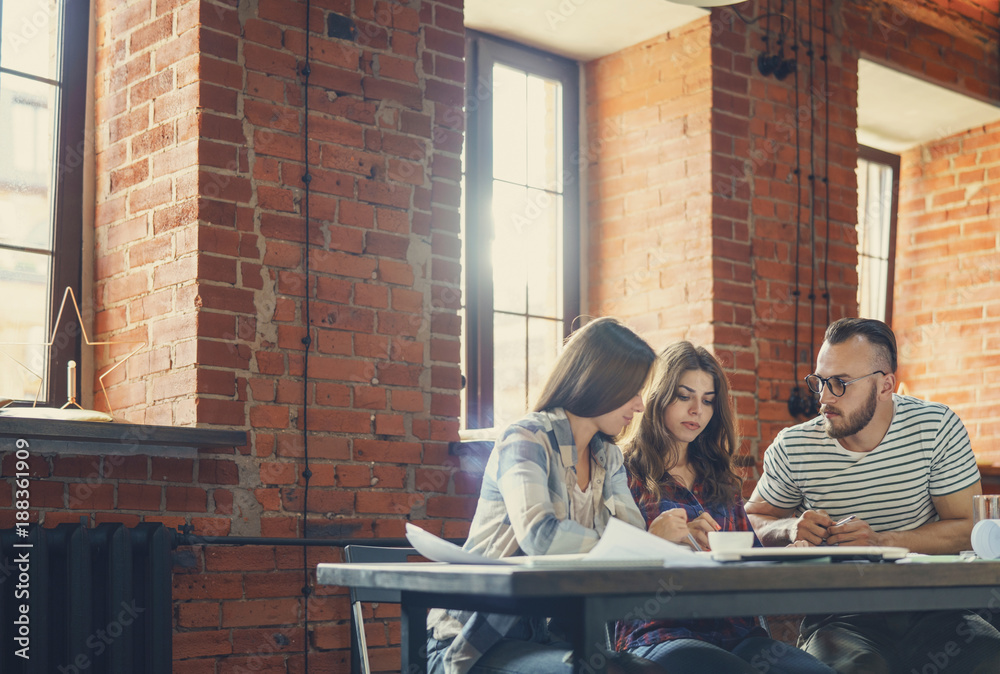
{"x": 671, "y": 525}
{"x": 812, "y": 527}
{"x": 855, "y": 532}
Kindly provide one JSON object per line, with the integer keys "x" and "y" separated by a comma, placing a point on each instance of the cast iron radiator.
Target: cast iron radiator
{"x": 86, "y": 601}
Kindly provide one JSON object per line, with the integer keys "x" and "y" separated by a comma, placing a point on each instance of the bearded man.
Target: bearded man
{"x": 904, "y": 469}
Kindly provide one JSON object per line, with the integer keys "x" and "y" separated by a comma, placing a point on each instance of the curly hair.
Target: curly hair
{"x": 651, "y": 450}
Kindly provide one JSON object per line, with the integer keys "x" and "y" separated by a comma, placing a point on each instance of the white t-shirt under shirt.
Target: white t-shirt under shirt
{"x": 581, "y": 506}
{"x": 926, "y": 452}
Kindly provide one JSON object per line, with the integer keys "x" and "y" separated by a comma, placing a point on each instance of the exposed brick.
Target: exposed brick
{"x": 186, "y": 499}
{"x": 139, "y": 497}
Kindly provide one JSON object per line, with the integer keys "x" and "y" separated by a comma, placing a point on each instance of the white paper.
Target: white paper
{"x": 623, "y": 541}
{"x": 440, "y": 550}
{"x": 986, "y": 539}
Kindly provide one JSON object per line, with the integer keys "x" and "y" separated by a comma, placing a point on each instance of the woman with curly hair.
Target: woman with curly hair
{"x": 680, "y": 456}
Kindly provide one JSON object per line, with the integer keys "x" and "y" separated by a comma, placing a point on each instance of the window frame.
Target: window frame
{"x": 482, "y": 51}
{"x": 67, "y": 202}
{"x": 876, "y": 156}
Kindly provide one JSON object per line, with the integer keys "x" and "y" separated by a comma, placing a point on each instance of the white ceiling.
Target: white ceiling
{"x": 578, "y": 29}
{"x": 895, "y": 111}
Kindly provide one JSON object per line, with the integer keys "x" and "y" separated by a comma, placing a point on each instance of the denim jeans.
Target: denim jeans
{"x": 524, "y": 656}
{"x": 511, "y": 656}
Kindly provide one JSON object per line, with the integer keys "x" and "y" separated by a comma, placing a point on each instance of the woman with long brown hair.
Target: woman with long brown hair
{"x": 680, "y": 455}
{"x": 553, "y": 481}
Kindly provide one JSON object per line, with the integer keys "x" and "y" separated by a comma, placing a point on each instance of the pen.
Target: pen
{"x": 838, "y": 523}
{"x": 694, "y": 543}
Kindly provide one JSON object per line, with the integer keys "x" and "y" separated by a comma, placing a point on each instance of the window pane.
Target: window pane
{"x": 509, "y": 124}
{"x": 510, "y": 388}
{"x": 544, "y": 254}
{"x": 24, "y": 327}
{"x": 875, "y": 184}
{"x": 544, "y": 134}
{"x": 511, "y": 227}
{"x": 525, "y": 129}
{"x": 27, "y": 124}
{"x": 544, "y": 340}
{"x": 30, "y": 37}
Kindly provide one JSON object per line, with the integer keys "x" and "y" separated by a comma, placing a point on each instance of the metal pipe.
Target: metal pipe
{"x": 181, "y": 539}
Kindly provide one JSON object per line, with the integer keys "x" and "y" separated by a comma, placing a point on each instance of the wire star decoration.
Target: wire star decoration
{"x": 69, "y": 294}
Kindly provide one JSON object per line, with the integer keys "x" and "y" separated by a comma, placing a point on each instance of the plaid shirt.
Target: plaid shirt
{"x": 723, "y": 632}
{"x": 523, "y": 508}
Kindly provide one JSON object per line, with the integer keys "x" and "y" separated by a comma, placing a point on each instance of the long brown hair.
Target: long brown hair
{"x": 603, "y": 366}
{"x": 651, "y": 450}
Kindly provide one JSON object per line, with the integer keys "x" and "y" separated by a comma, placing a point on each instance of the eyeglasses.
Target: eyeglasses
{"x": 837, "y": 385}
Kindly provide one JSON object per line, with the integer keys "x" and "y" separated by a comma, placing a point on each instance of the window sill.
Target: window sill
{"x": 53, "y": 436}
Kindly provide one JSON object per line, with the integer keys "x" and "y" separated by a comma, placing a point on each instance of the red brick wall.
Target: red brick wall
{"x": 943, "y": 44}
{"x": 649, "y": 192}
{"x": 946, "y": 311}
{"x": 747, "y": 311}
{"x": 146, "y": 232}
{"x": 200, "y": 252}
{"x": 763, "y": 208}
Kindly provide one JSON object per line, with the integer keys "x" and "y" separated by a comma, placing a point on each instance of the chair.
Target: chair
{"x": 365, "y": 554}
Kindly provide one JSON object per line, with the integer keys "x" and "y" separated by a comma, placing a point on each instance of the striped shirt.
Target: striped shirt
{"x": 524, "y": 508}
{"x": 925, "y": 453}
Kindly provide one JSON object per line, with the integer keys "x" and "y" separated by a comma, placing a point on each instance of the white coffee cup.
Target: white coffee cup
{"x": 730, "y": 540}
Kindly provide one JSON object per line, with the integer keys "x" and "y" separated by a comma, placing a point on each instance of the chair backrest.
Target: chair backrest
{"x": 367, "y": 554}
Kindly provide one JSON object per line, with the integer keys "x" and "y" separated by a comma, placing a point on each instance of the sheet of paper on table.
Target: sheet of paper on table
{"x": 440, "y": 550}
{"x": 623, "y": 541}
{"x": 621, "y": 544}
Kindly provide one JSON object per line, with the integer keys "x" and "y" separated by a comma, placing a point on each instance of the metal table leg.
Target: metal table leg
{"x": 413, "y": 625}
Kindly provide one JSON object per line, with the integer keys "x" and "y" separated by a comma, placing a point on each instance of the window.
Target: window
{"x": 878, "y": 194}
{"x": 521, "y": 225}
{"x": 43, "y": 93}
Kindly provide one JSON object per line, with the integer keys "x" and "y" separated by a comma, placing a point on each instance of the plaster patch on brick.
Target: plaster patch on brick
{"x": 246, "y": 508}
{"x": 265, "y": 300}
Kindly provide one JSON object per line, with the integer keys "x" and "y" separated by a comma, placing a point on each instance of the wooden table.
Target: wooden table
{"x": 585, "y": 599}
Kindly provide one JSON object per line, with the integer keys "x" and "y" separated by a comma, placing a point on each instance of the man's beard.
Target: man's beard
{"x": 857, "y": 420}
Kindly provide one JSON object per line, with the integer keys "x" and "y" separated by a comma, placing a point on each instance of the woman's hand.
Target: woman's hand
{"x": 671, "y": 525}
{"x": 700, "y": 526}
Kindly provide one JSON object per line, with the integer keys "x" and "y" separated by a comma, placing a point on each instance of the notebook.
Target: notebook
{"x": 835, "y": 553}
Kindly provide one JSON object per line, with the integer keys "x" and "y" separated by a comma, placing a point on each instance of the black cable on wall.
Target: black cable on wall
{"x": 307, "y": 342}
{"x": 813, "y": 264}
{"x": 796, "y": 398}
{"x": 826, "y": 166}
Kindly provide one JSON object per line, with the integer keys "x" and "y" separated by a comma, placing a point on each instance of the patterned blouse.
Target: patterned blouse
{"x": 726, "y": 633}
{"x": 524, "y": 507}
